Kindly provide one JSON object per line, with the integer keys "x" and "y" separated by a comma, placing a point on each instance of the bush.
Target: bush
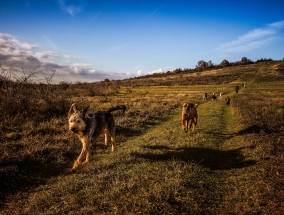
{"x": 22, "y": 99}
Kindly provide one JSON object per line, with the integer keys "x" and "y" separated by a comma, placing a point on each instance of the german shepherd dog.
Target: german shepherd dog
{"x": 88, "y": 128}
{"x": 189, "y": 113}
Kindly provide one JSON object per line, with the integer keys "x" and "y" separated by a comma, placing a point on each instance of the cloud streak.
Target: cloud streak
{"x": 72, "y": 10}
{"x": 254, "y": 39}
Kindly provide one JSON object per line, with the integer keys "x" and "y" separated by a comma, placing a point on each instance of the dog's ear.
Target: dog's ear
{"x": 85, "y": 110}
{"x": 73, "y": 109}
{"x": 185, "y": 105}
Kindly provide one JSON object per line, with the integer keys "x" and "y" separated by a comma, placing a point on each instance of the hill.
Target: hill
{"x": 257, "y": 72}
{"x": 231, "y": 164}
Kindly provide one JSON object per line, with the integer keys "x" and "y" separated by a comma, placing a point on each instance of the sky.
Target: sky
{"x": 93, "y": 40}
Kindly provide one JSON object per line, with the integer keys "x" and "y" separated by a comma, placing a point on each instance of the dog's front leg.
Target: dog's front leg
{"x": 85, "y": 150}
{"x": 187, "y": 125}
{"x": 184, "y": 125}
{"x": 88, "y": 153}
{"x": 194, "y": 122}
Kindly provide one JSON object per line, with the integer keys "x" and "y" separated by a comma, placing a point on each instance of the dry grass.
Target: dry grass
{"x": 232, "y": 164}
{"x": 260, "y": 111}
{"x": 261, "y": 72}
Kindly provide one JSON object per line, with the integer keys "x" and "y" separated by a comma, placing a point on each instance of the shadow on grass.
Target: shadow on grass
{"x": 128, "y": 132}
{"x": 29, "y": 172}
{"x": 220, "y": 137}
{"x": 255, "y": 129}
{"x": 206, "y": 157}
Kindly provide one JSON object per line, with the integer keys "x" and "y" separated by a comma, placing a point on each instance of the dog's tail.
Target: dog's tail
{"x": 119, "y": 107}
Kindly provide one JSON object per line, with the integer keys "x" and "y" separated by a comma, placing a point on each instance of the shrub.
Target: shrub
{"x": 22, "y": 99}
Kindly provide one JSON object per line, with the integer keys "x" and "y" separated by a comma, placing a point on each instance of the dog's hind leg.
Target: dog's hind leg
{"x": 106, "y": 136}
{"x": 112, "y": 138}
{"x": 112, "y": 143}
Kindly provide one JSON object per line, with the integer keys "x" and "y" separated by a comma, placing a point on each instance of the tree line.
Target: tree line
{"x": 206, "y": 65}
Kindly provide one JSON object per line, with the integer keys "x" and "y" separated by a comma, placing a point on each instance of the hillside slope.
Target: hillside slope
{"x": 233, "y": 163}
{"x": 220, "y": 169}
{"x": 264, "y": 71}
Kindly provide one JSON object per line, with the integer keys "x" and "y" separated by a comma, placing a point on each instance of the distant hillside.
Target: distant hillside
{"x": 256, "y": 72}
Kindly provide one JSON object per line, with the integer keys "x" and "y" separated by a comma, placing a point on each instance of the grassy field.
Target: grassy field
{"x": 232, "y": 164}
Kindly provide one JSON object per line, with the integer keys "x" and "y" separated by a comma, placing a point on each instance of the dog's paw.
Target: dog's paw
{"x": 73, "y": 170}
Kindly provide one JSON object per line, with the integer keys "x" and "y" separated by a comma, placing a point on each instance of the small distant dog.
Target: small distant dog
{"x": 189, "y": 113}
{"x": 205, "y": 96}
{"x": 214, "y": 97}
{"x": 89, "y": 127}
{"x": 227, "y": 101}
{"x": 237, "y": 88}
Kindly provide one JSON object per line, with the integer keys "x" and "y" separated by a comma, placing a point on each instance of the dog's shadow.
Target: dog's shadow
{"x": 208, "y": 158}
{"x": 127, "y": 132}
{"x": 255, "y": 129}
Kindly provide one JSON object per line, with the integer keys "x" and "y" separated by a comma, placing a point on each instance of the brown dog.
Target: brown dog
{"x": 189, "y": 113}
{"x": 205, "y": 96}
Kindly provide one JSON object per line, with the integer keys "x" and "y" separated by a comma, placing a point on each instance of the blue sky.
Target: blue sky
{"x": 91, "y": 40}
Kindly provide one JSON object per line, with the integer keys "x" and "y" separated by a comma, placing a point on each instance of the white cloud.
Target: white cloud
{"x": 254, "y": 39}
{"x": 160, "y": 70}
{"x": 18, "y": 54}
{"x": 82, "y": 69}
{"x": 279, "y": 24}
{"x": 10, "y": 44}
{"x": 50, "y": 56}
{"x": 139, "y": 70}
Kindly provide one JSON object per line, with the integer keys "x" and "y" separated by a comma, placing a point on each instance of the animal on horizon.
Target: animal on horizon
{"x": 214, "y": 97}
{"x": 205, "y": 96}
{"x": 88, "y": 127}
{"x": 227, "y": 101}
{"x": 189, "y": 116}
{"x": 237, "y": 88}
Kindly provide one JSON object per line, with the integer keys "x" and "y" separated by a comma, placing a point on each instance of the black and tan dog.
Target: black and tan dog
{"x": 189, "y": 116}
{"x": 89, "y": 127}
{"x": 214, "y": 97}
